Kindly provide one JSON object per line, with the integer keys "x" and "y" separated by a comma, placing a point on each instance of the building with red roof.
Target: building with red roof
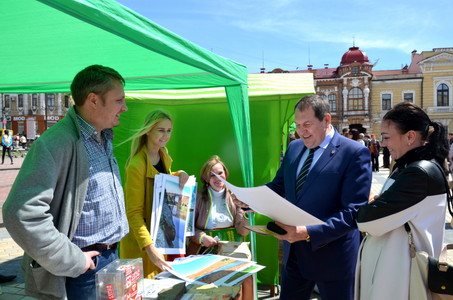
{"x": 359, "y": 97}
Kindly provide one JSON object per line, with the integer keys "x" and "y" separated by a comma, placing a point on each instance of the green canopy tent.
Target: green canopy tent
{"x": 202, "y": 128}
{"x": 46, "y": 42}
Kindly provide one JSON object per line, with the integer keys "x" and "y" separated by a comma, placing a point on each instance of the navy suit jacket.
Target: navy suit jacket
{"x": 335, "y": 187}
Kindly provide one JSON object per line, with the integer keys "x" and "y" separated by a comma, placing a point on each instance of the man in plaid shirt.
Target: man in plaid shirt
{"x": 70, "y": 216}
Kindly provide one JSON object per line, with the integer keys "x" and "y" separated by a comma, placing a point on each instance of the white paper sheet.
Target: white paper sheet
{"x": 266, "y": 202}
{"x": 388, "y": 183}
{"x": 152, "y": 287}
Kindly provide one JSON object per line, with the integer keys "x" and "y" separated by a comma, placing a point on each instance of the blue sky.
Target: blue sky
{"x": 289, "y": 34}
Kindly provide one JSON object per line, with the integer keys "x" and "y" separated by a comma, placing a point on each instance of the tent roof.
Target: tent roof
{"x": 43, "y": 48}
{"x": 46, "y": 42}
{"x": 261, "y": 87}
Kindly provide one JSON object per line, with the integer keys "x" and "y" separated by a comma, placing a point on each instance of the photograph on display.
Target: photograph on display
{"x": 214, "y": 269}
{"x": 190, "y": 231}
{"x": 169, "y": 216}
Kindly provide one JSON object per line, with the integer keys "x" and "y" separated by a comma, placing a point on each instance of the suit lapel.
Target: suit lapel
{"x": 329, "y": 153}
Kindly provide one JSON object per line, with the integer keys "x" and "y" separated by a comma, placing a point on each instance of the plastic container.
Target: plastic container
{"x": 122, "y": 279}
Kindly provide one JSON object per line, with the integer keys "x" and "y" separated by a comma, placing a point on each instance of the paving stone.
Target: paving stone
{"x": 11, "y": 297}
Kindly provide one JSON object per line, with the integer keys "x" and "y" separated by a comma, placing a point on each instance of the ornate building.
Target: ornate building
{"x": 26, "y": 113}
{"x": 359, "y": 97}
{"x": 347, "y": 88}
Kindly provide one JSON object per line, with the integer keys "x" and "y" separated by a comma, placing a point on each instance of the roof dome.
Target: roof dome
{"x": 354, "y": 55}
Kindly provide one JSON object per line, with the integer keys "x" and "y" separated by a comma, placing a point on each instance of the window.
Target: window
{"x": 323, "y": 96}
{"x": 6, "y": 101}
{"x": 50, "y": 100}
{"x": 20, "y": 127}
{"x": 49, "y": 124}
{"x": 333, "y": 102}
{"x": 355, "y": 70}
{"x": 442, "y": 95}
{"x": 66, "y": 101}
{"x": 20, "y": 101}
{"x": 387, "y": 101}
{"x": 34, "y": 101}
{"x": 355, "y": 99}
{"x": 408, "y": 97}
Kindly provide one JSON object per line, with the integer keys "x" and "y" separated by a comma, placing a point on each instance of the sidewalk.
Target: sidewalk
{"x": 11, "y": 253}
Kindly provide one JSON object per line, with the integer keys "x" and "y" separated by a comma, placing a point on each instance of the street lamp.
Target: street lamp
{"x": 3, "y": 111}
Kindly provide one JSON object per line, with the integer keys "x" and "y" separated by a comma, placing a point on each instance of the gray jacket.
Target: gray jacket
{"x": 43, "y": 209}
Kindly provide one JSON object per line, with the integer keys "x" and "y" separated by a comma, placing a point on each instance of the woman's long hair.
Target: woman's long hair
{"x": 355, "y": 134}
{"x": 139, "y": 139}
{"x": 407, "y": 116}
{"x": 205, "y": 175}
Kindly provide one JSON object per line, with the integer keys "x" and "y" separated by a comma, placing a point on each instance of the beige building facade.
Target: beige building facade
{"x": 359, "y": 97}
{"x": 30, "y": 113}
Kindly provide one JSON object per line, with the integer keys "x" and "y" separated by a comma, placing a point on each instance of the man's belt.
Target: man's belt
{"x": 101, "y": 247}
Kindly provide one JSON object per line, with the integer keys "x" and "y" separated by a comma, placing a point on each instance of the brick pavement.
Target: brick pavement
{"x": 11, "y": 253}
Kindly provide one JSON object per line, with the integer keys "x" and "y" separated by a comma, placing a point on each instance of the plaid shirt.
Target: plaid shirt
{"x": 103, "y": 219}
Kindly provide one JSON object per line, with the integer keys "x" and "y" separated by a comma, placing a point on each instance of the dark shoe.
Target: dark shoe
{"x": 6, "y": 278}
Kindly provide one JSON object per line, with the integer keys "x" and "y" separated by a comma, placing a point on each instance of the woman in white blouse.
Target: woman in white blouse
{"x": 215, "y": 209}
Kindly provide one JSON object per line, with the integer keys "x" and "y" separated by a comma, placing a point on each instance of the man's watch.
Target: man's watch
{"x": 308, "y": 239}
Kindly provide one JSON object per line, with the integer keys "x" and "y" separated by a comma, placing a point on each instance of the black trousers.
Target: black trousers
{"x": 375, "y": 162}
{"x": 296, "y": 287}
{"x": 5, "y": 149}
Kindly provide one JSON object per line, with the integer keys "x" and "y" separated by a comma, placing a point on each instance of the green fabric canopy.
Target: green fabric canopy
{"x": 46, "y": 42}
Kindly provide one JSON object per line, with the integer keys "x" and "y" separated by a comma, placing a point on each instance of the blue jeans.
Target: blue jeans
{"x": 84, "y": 286}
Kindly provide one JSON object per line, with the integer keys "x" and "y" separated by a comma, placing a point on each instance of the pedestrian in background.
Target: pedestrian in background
{"x": 7, "y": 141}
{"x": 23, "y": 141}
{"x": 386, "y": 157}
{"x": 345, "y": 132}
{"x": 17, "y": 141}
{"x": 374, "y": 147}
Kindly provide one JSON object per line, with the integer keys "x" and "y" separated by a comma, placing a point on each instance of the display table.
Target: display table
{"x": 177, "y": 289}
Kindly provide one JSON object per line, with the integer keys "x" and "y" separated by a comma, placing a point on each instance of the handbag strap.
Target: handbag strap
{"x": 411, "y": 239}
{"x": 447, "y": 188}
{"x": 449, "y": 204}
{"x": 443, "y": 263}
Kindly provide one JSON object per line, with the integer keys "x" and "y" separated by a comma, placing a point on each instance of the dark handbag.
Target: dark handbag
{"x": 440, "y": 273}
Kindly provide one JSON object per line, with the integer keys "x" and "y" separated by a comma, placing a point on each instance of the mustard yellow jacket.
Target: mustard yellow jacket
{"x": 138, "y": 195}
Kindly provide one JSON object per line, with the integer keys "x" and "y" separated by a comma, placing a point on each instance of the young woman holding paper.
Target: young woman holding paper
{"x": 215, "y": 209}
{"x": 149, "y": 157}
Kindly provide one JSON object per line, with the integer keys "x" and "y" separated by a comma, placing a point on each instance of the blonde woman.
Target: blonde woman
{"x": 149, "y": 157}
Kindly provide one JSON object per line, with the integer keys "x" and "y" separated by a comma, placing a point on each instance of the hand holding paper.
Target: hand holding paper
{"x": 265, "y": 201}
{"x": 241, "y": 204}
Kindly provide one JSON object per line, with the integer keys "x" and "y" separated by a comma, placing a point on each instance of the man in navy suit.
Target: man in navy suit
{"x": 338, "y": 182}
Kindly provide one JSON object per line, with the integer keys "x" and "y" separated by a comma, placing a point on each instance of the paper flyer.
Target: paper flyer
{"x": 266, "y": 202}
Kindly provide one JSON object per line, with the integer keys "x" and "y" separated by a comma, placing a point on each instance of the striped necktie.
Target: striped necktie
{"x": 304, "y": 171}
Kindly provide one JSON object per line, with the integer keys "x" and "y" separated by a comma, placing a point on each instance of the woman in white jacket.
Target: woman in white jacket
{"x": 415, "y": 193}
